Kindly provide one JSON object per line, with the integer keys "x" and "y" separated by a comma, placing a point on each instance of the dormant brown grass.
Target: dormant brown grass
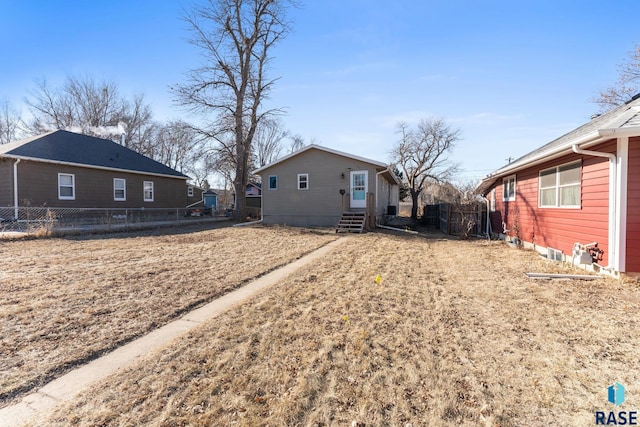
{"x": 452, "y": 333}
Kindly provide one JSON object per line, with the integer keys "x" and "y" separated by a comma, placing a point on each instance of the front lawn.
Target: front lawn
{"x": 453, "y": 334}
{"x": 66, "y": 301}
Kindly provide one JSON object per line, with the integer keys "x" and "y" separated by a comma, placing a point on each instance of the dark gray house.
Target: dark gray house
{"x": 315, "y": 185}
{"x": 66, "y": 169}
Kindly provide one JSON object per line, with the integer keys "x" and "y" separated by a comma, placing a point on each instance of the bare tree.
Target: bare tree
{"x": 268, "y": 142}
{"x": 422, "y": 154}
{"x": 236, "y": 38}
{"x": 177, "y": 145}
{"x": 94, "y": 108}
{"x": 9, "y": 123}
{"x": 627, "y": 85}
{"x": 297, "y": 142}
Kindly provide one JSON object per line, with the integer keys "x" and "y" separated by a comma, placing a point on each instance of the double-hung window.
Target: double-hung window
{"x": 560, "y": 186}
{"x": 147, "y": 188}
{"x": 119, "y": 189}
{"x": 509, "y": 188}
{"x": 303, "y": 181}
{"x": 66, "y": 186}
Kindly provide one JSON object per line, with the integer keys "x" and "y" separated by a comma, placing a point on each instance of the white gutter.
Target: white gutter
{"x": 86, "y": 166}
{"x": 613, "y": 224}
{"x": 15, "y": 189}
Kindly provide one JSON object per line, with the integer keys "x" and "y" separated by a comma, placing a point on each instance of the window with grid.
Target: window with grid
{"x": 560, "y": 186}
{"x": 509, "y": 188}
{"x": 119, "y": 189}
{"x": 303, "y": 181}
{"x": 66, "y": 186}
{"x": 148, "y": 191}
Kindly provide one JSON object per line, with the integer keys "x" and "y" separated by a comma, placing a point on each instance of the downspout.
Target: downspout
{"x": 488, "y": 227}
{"x": 613, "y": 225}
{"x": 15, "y": 189}
{"x": 375, "y": 205}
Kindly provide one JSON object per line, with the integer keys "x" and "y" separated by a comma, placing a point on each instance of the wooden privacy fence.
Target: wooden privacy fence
{"x": 457, "y": 219}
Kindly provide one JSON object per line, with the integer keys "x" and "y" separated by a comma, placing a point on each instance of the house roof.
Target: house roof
{"x": 623, "y": 120}
{"x": 64, "y": 147}
{"x": 321, "y": 148}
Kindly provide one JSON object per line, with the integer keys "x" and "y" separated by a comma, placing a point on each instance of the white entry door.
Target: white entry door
{"x": 358, "y": 194}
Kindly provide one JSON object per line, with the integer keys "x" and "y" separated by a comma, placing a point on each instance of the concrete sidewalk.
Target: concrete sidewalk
{"x": 39, "y": 404}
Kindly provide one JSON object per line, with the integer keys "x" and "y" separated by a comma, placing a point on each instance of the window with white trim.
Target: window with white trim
{"x": 147, "y": 188}
{"x": 559, "y": 187}
{"x": 190, "y": 191}
{"x": 303, "y": 181}
{"x": 119, "y": 189}
{"x": 509, "y": 188}
{"x": 66, "y": 186}
{"x": 273, "y": 182}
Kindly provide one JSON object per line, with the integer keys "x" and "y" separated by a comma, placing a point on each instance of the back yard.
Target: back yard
{"x": 453, "y": 334}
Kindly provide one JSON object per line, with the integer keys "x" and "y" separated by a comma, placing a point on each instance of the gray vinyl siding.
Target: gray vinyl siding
{"x": 321, "y": 205}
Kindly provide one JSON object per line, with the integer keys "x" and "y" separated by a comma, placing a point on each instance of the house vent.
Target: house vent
{"x": 554, "y": 254}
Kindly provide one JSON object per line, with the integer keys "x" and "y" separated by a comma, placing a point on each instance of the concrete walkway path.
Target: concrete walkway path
{"x": 39, "y": 404}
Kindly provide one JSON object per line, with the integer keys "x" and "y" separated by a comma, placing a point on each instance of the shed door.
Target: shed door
{"x": 358, "y": 196}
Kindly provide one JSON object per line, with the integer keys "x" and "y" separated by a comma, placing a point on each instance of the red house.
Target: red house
{"x": 583, "y": 188}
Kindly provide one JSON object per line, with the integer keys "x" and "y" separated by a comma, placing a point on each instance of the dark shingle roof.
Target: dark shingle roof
{"x": 83, "y": 150}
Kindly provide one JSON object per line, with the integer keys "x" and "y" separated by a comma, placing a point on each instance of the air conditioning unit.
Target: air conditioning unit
{"x": 581, "y": 255}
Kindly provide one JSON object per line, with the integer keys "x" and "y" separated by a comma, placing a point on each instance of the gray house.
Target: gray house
{"x": 316, "y": 185}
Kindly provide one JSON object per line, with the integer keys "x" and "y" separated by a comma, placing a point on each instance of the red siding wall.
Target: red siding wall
{"x": 560, "y": 228}
{"x": 633, "y": 207}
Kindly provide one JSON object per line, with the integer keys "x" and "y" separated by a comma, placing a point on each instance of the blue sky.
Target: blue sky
{"x": 512, "y": 75}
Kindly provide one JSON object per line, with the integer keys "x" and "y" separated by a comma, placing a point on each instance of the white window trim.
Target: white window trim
{"x": 73, "y": 186}
{"x": 557, "y": 187}
{"x": 190, "y": 191}
{"x": 306, "y": 175}
{"x": 124, "y": 197}
{"x": 506, "y": 181}
{"x": 269, "y": 184}
{"x": 144, "y": 191}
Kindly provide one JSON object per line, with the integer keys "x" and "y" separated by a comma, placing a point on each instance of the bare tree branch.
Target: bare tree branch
{"x": 627, "y": 85}
{"x": 236, "y": 38}
{"x": 421, "y": 154}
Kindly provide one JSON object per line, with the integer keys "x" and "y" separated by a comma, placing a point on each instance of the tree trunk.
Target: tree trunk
{"x": 240, "y": 183}
{"x": 414, "y": 203}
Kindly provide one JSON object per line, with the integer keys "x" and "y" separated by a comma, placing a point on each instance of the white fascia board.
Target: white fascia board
{"x": 321, "y": 148}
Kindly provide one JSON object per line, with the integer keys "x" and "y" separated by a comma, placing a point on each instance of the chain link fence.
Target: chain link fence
{"x": 34, "y": 219}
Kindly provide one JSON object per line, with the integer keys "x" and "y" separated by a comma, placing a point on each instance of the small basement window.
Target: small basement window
{"x": 554, "y": 254}
{"x": 303, "y": 181}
